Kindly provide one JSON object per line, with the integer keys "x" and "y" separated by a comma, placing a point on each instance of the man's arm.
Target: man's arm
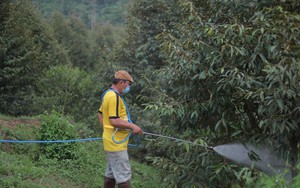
{"x": 100, "y": 119}
{"x": 120, "y": 123}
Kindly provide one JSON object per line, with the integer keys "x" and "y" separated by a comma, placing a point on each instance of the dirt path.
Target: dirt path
{"x": 15, "y": 122}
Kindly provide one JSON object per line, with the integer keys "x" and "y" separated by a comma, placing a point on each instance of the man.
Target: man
{"x": 113, "y": 115}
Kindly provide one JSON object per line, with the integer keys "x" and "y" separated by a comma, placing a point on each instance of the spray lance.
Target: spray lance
{"x": 259, "y": 157}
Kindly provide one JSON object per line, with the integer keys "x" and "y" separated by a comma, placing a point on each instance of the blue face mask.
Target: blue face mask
{"x": 126, "y": 90}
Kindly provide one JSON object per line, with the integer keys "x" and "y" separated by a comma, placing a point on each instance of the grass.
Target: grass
{"x": 22, "y": 165}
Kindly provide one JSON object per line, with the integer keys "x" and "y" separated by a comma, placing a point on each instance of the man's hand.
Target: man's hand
{"x": 136, "y": 129}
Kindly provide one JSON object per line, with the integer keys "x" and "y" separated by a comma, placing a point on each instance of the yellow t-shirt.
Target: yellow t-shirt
{"x": 113, "y": 107}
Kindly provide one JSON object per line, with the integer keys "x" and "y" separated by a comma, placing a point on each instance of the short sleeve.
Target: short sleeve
{"x": 111, "y": 101}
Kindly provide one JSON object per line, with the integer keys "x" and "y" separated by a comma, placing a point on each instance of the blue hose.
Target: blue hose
{"x": 49, "y": 141}
{"x": 64, "y": 141}
{"x": 125, "y": 139}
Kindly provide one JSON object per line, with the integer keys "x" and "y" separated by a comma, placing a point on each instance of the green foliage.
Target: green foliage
{"x": 84, "y": 47}
{"x": 18, "y": 170}
{"x": 29, "y": 52}
{"x": 112, "y": 11}
{"x": 191, "y": 165}
{"x": 106, "y": 35}
{"x": 277, "y": 181}
{"x": 70, "y": 94}
{"x": 73, "y": 35}
{"x": 27, "y": 47}
{"x": 56, "y": 127}
{"x": 141, "y": 50}
{"x": 232, "y": 72}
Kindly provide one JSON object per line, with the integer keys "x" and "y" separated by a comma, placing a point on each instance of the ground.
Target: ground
{"x": 12, "y": 123}
{"x": 8, "y": 125}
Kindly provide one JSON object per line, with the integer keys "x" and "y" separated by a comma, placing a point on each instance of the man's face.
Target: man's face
{"x": 125, "y": 83}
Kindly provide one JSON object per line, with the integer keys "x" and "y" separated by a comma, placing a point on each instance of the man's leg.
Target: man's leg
{"x": 109, "y": 182}
{"x": 124, "y": 185}
{"x": 119, "y": 168}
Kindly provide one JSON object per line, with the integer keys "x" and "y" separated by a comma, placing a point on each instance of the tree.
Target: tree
{"x": 73, "y": 35}
{"x": 27, "y": 47}
{"x": 71, "y": 94}
{"x": 233, "y": 74}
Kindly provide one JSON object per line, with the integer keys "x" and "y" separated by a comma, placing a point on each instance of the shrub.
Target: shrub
{"x": 56, "y": 127}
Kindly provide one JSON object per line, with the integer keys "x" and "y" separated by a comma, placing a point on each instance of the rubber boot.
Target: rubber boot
{"x": 109, "y": 182}
{"x": 124, "y": 185}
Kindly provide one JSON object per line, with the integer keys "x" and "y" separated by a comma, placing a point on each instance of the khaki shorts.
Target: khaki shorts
{"x": 118, "y": 166}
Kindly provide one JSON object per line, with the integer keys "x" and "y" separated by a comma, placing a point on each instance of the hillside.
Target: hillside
{"x": 13, "y": 123}
{"x": 24, "y": 165}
